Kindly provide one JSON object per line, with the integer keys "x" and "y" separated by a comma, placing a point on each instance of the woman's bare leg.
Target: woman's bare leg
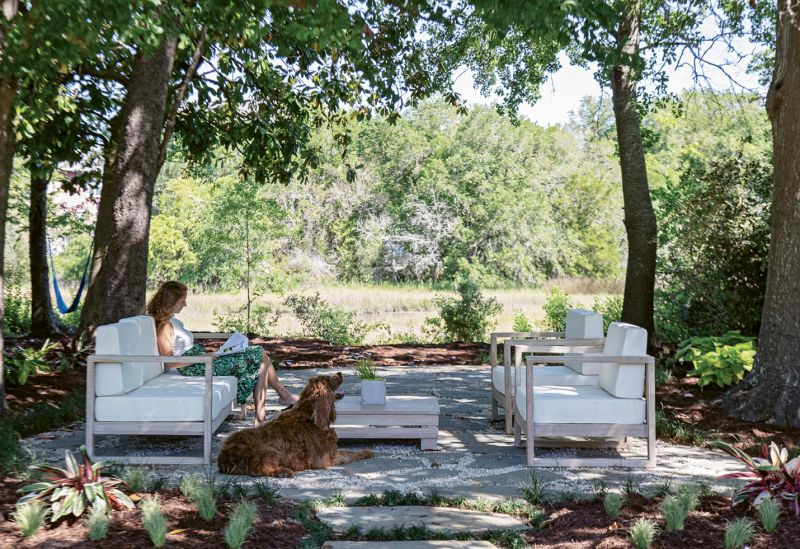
{"x": 268, "y": 377}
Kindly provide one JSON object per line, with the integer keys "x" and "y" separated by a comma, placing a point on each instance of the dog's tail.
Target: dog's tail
{"x": 346, "y": 456}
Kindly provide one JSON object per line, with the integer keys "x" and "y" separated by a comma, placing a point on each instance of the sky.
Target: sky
{"x": 563, "y": 91}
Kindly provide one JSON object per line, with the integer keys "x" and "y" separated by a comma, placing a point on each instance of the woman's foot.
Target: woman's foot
{"x": 259, "y": 422}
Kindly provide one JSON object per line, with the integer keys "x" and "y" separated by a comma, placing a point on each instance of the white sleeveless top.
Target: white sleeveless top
{"x": 184, "y": 339}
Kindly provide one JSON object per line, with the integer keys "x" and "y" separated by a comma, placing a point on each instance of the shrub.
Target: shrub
{"x": 97, "y": 524}
{"x": 76, "y": 488}
{"x": 674, "y": 512}
{"x": 17, "y": 312}
{"x": 612, "y": 503}
{"x": 738, "y": 533}
{"x": 27, "y": 361}
{"x": 467, "y": 317}
{"x": 262, "y": 320}
{"x": 365, "y": 370}
{"x": 555, "y": 311}
{"x": 154, "y": 521}
{"x": 610, "y": 308}
{"x": 521, "y": 323}
{"x": 771, "y": 475}
{"x": 240, "y": 524}
{"x": 325, "y": 322}
{"x": 720, "y": 360}
{"x": 770, "y": 511}
{"x": 30, "y": 517}
{"x": 643, "y": 532}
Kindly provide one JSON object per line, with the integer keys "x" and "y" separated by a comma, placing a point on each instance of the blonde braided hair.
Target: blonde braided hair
{"x": 162, "y": 304}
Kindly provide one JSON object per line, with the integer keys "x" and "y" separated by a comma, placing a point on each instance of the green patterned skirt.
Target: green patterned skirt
{"x": 244, "y": 366}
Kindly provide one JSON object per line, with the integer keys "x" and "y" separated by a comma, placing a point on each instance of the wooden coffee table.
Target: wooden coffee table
{"x": 400, "y": 417}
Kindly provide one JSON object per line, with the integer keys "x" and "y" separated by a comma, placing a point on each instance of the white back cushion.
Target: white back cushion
{"x": 624, "y": 380}
{"x": 583, "y": 324}
{"x": 129, "y": 336}
{"x": 145, "y": 344}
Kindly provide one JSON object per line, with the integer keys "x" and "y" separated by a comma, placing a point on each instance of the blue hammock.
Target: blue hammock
{"x": 63, "y": 308}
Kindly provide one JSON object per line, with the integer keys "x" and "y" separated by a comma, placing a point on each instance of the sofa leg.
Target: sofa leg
{"x": 517, "y": 435}
{"x": 495, "y": 409}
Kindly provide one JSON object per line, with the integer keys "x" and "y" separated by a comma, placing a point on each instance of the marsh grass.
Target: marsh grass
{"x": 30, "y": 517}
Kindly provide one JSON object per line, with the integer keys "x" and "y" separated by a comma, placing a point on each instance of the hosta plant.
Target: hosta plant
{"x": 771, "y": 475}
{"x": 722, "y": 360}
{"x": 73, "y": 490}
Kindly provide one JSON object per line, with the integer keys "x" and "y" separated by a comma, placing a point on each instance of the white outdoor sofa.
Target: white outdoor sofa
{"x": 614, "y": 408}
{"x": 128, "y": 392}
{"x": 584, "y": 329}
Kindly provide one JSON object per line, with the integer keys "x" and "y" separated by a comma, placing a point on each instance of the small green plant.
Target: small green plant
{"x": 631, "y": 486}
{"x": 365, "y": 370}
{"x": 612, "y": 503}
{"x": 135, "y": 478}
{"x": 521, "y": 323}
{"x": 722, "y": 360}
{"x": 262, "y": 319}
{"x": 237, "y": 490}
{"x": 206, "y": 502}
{"x": 240, "y": 524}
{"x": 154, "y": 521}
{"x": 97, "y": 524}
{"x": 555, "y": 310}
{"x": 738, "y": 533}
{"x": 533, "y": 490}
{"x": 17, "y": 311}
{"x": 27, "y": 361}
{"x": 643, "y": 532}
{"x": 674, "y": 513}
{"x": 663, "y": 375}
{"x": 76, "y": 488}
{"x": 689, "y": 496}
{"x": 770, "y": 511}
{"x": 189, "y": 485}
{"x": 72, "y": 351}
{"x": 610, "y": 308}
{"x": 268, "y": 493}
{"x": 325, "y": 322}
{"x": 465, "y": 318}
{"x": 30, "y": 517}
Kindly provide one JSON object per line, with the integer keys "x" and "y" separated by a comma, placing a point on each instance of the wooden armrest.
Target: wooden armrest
{"x": 212, "y": 335}
{"x": 549, "y": 359}
{"x": 527, "y": 334}
{"x": 198, "y": 359}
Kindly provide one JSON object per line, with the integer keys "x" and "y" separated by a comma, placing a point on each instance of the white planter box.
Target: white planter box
{"x": 373, "y": 392}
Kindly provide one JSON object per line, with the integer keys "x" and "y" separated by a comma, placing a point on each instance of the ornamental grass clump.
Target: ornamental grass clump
{"x": 612, "y": 503}
{"x": 689, "y": 496}
{"x": 154, "y": 521}
{"x": 240, "y": 524}
{"x": 135, "y": 478}
{"x": 674, "y": 513}
{"x": 189, "y": 485}
{"x": 738, "y": 533}
{"x": 643, "y": 532}
{"x": 30, "y": 517}
{"x": 97, "y": 524}
{"x": 206, "y": 503}
{"x": 770, "y": 511}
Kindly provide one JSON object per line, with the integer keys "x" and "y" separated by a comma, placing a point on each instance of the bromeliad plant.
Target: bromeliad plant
{"x": 771, "y": 475}
{"x": 77, "y": 488}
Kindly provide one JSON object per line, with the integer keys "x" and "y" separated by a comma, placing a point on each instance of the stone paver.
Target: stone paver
{"x": 439, "y": 544}
{"x": 445, "y": 519}
{"x": 476, "y": 459}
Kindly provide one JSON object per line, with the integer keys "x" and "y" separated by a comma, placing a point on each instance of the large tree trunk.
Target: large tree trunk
{"x": 119, "y": 269}
{"x": 43, "y": 321}
{"x": 640, "y": 220}
{"x": 771, "y": 392}
{"x": 8, "y": 90}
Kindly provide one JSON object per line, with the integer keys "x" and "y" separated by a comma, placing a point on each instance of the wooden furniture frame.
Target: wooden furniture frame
{"x": 400, "y": 418}
{"x": 552, "y": 345}
{"x": 611, "y": 430}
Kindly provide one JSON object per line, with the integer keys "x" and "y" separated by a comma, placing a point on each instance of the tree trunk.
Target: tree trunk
{"x": 640, "y": 220}
{"x": 43, "y": 321}
{"x": 8, "y": 91}
{"x": 119, "y": 269}
{"x": 770, "y": 392}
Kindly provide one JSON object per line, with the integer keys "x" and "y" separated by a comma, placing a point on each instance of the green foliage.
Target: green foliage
{"x": 722, "y": 360}
{"x": 135, "y": 478}
{"x": 521, "y": 323}
{"x": 612, "y": 503}
{"x": 154, "y": 521}
{"x": 16, "y": 312}
{"x": 240, "y": 524}
{"x": 555, "y": 310}
{"x": 30, "y": 517}
{"x": 24, "y": 362}
{"x": 268, "y": 492}
{"x": 769, "y": 511}
{"x": 674, "y": 512}
{"x": 189, "y": 486}
{"x": 533, "y": 489}
{"x": 643, "y": 531}
{"x": 467, "y": 317}
{"x": 206, "y": 502}
{"x": 323, "y": 321}
{"x": 365, "y": 370}
{"x": 610, "y": 308}
{"x": 77, "y": 487}
{"x": 262, "y": 320}
{"x": 97, "y": 524}
{"x": 738, "y": 533}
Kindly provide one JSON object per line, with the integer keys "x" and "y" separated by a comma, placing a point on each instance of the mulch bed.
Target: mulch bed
{"x": 585, "y": 524}
{"x": 273, "y": 526}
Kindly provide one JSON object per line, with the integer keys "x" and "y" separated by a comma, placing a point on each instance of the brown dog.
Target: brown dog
{"x": 298, "y": 439}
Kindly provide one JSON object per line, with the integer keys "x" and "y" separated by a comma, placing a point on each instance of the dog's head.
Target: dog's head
{"x": 318, "y": 399}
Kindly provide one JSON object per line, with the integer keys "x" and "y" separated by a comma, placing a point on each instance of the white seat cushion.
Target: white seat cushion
{"x": 559, "y": 375}
{"x": 499, "y": 376}
{"x": 167, "y": 398}
{"x": 582, "y": 404}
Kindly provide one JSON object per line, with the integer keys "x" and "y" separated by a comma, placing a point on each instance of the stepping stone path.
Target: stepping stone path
{"x": 433, "y": 518}
{"x": 440, "y": 544}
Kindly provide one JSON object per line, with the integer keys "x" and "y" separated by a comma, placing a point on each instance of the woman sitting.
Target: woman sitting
{"x": 252, "y": 367}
